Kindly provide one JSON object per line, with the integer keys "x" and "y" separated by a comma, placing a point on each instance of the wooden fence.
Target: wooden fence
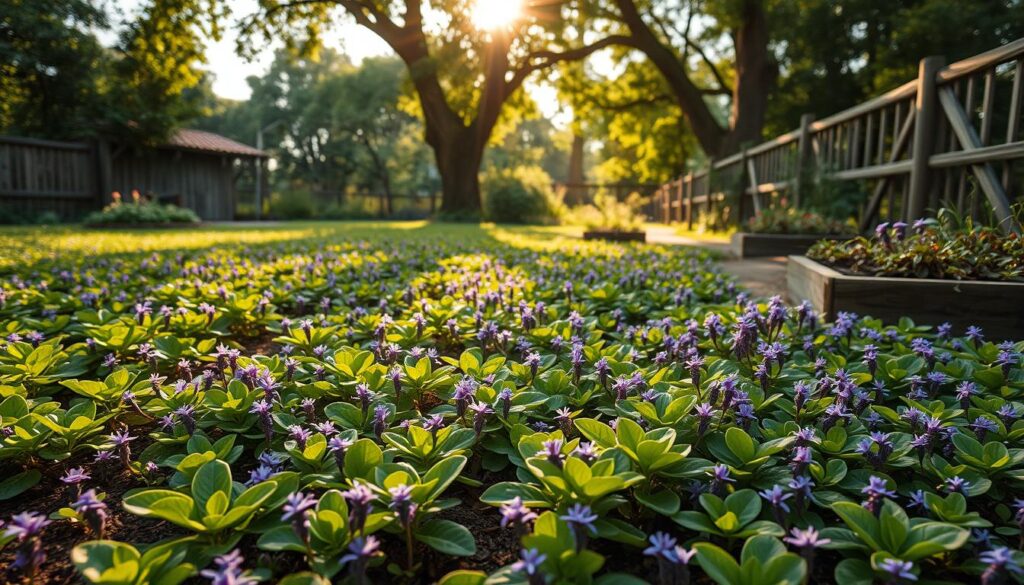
{"x": 45, "y": 175}
{"x": 947, "y": 139}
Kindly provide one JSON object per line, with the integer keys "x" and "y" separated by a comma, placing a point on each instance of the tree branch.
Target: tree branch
{"x": 549, "y": 58}
{"x": 714, "y": 70}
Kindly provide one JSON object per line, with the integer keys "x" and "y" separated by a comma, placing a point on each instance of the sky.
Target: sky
{"x": 230, "y": 70}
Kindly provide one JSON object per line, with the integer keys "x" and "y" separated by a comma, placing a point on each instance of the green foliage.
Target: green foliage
{"x": 405, "y": 381}
{"x": 520, "y": 195}
{"x": 789, "y": 220}
{"x": 608, "y": 213}
{"x": 942, "y": 249}
{"x": 142, "y": 213}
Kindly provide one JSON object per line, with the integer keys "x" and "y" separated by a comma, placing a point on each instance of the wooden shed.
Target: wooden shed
{"x": 194, "y": 169}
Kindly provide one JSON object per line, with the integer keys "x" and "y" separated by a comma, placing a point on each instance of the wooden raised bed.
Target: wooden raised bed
{"x": 749, "y": 245}
{"x": 996, "y": 307}
{"x": 615, "y": 236}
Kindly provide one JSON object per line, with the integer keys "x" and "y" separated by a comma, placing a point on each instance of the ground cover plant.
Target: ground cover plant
{"x": 455, "y": 404}
{"x": 945, "y": 248}
{"x": 789, "y": 220}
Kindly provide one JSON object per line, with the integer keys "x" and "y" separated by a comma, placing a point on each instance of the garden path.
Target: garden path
{"x": 761, "y": 276}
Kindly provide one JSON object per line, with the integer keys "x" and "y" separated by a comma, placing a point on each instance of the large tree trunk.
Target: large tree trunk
{"x": 755, "y": 75}
{"x": 458, "y": 152}
{"x": 576, "y": 191}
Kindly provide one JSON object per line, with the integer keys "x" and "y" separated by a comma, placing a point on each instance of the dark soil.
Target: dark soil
{"x": 61, "y": 536}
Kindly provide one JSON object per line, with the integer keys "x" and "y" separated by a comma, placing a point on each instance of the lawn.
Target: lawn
{"x": 415, "y": 402}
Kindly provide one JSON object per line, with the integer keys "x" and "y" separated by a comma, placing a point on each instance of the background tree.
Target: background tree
{"x": 463, "y": 76}
{"x": 50, "y": 67}
{"x": 326, "y": 146}
{"x": 705, "y": 50}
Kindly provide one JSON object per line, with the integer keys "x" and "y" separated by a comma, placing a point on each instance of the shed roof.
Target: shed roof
{"x": 203, "y": 141}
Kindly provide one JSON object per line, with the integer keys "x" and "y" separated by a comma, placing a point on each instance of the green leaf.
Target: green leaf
{"x": 629, "y": 433}
{"x": 854, "y": 572}
{"x": 19, "y": 483}
{"x": 861, "y": 521}
{"x": 596, "y": 431}
{"x": 463, "y": 577}
{"x": 740, "y": 443}
{"x": 362, "y": 458}
{"x": 718, "y": 564}
{"x": 214, "y": 476}
{"x": 762, "y": 548}
{"x": 504, "y": 492}
{"x": 664, "y": 502}
{"x": 447, "y": 537}
{"x": 445, "y": 472}
{"x": 106, "y": 562}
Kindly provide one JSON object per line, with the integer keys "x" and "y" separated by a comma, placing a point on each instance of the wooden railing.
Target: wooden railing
{"x": 947, "y": 139}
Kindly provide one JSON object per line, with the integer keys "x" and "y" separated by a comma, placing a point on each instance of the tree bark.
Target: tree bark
{"x": 458, "y": 151}
{"x": 576, "y": 191}
{"x": 755, "y": 73}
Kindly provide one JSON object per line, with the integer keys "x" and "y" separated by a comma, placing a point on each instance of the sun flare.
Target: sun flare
{"x": 495, "y": 14}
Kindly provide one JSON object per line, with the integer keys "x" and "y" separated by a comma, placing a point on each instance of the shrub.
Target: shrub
{"x": 297, "y": 204}
{"x": 929, "y": 249}
{"x": 790, "y": 220}
{"x": 610, "y": 214}
{"x": 520, "y": 195}
{"x": 141, "y": 211}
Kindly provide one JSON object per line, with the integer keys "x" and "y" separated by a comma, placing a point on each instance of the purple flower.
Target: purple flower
{"x": 299, "y": 435}
{"x": 402, "y": 504}
{"x": 228, "y": 570}
{"x": 360, "y": 551}
{"x": 529, "y": 563}
{"x": 93, "y": 511}
{"x": 26, "y": 529}
{"x": 75, "y": 476}
{"x": 876, "y": 490}
{"x": 380, "y": 419}
{"x": 360, "y": 500}
{"x": 516, "y": 514}
{"x": 719, "y": 479}
{"x": 296, "y": 509}
{"x": 999, "y": 561}
{"x": 777, "y": 497}
{"x": 975, "y": 335}
{"x": 663, "y": 546}
{"x": 552, "y": 449}
{"x": 580, "y": 519}
{"x": 121, "y": 440}
{"x": 481, "y": 411}
{"x": 957, "y": 485}
{"x": 898, "y": 570}
{"x": 808, "y": 538}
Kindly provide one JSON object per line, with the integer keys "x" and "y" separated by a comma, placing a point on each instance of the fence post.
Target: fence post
{"x": 689, "y": 201}
{"x": 925, "y": 123}
{"x": 679, "y": 192}
{"x": 804, "y": 160}
{"x": 741, "y": 203}
{"x": 104, "y": 171}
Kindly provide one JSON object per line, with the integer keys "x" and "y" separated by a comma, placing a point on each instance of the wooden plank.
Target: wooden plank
{"x": 1013, "y": 124}
{"x": 986, "y": 60}
{"x": 874, "y": 171}
{"x": 926, "y": 301}
{"x": 987, "y": 179}
{"x": 998, "y": 152}
{"x": 899, "y": 145}
{"x": 21, "y": 141}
